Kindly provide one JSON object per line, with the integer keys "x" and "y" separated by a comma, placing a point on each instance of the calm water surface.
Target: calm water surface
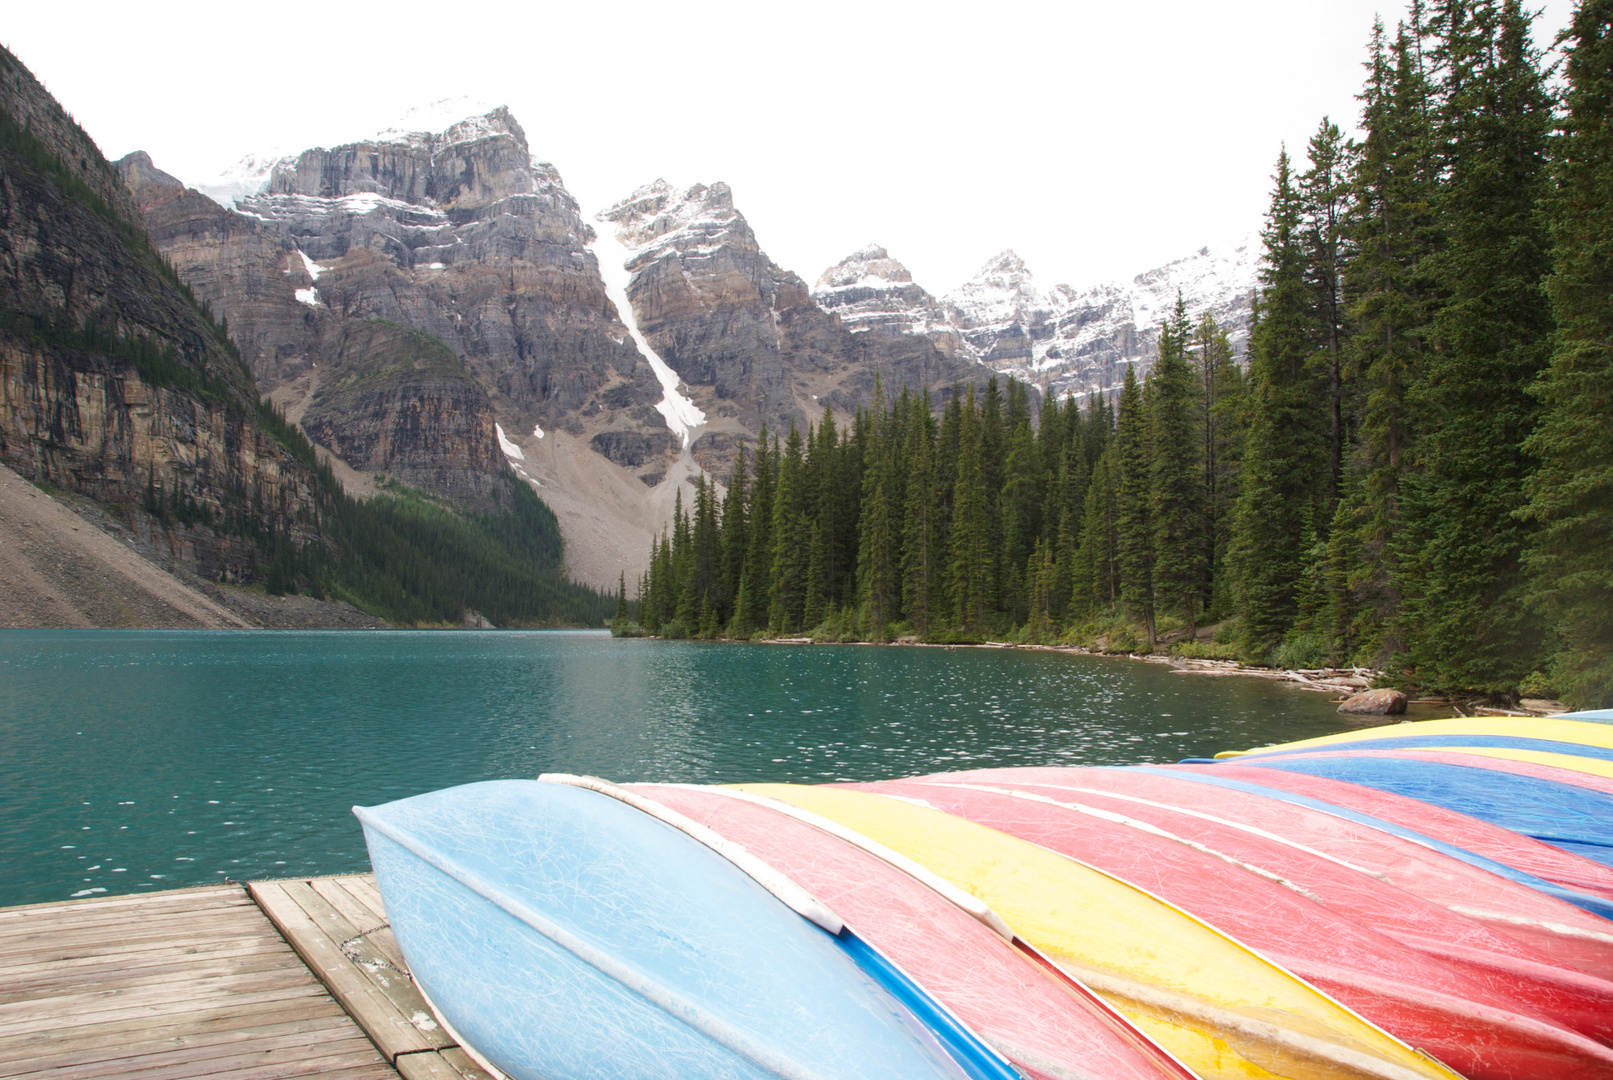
{"x": 137, "y": 760}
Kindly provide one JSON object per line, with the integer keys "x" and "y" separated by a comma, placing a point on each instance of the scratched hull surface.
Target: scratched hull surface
{"x": 564, "y": 934}
{"x": 1558, "y": 768}
{"x": 1585, "y": 736}
{"x": 1219, "y": 1008}
{"x": 1258, "y": 781}
{"x": 1575, "y": 819}
{"x": 1335, "y": 780}
{"x": 1045, "y": 1028}
{"x": 1569, "y": 935}
{"x": 1497, "y": 960}
{"x": 1480, "y": 1030}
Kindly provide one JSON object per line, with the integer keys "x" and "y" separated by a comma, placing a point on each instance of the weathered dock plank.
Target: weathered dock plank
{"x": 194, "y": 982}
{"x": 276, "y": 979}
{"x": 375, "y": 993}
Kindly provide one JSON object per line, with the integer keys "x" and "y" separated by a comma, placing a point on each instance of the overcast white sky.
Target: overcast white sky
{"x": 1096, "y": 139}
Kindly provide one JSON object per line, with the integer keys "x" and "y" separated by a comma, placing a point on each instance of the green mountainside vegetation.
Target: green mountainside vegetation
{"x": 406, "y": 556}
{"x": 1411, "y": 471}
{"x": 416, "y": 559}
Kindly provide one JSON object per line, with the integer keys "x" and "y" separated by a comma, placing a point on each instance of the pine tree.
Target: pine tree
{"x": 1095, "y": 585}
{"x": 878, "y": 582}
{"x": 919, "y": 562}
{"x": 946, "y": 482}
{"x": 750, "y": 605}
{"x": 824, "y": 466}
{"x": 1134, "y": 527}
{"x": 1176, "y": 515}
{"x": 1324, "y": 191}
{"x": 1019, "y": 504}
{"x": 1571, "y": 494}
{"x": 792, "y": 541}
{"x": 1390, "y": 298}
{"x": 993, "y": 451}
{"x": 1470, "y": 625}
{"x": 734, "y": 540}
{"x": 970, "y": 539}
{"x": 1282, "y": 453}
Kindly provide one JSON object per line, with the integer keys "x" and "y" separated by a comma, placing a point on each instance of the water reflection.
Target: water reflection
{"x": 140, "y": 760}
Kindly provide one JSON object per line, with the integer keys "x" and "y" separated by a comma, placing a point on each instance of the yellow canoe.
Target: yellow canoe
{"x": 1220, "y": 1008}
{"x": 1546, "y": 728}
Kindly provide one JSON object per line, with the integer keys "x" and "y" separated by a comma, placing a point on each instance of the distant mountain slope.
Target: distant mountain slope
{"x": 1062, "y": 340}
{"x": 117, "y": 384}
{"x": 605, "y": 355}
{"x": 114, "y": 382}
{"x": 743, "y": 333}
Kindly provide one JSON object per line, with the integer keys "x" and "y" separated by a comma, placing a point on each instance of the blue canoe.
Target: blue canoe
{"x": 563, "y": 933}
{"x": 1570, "y": 817}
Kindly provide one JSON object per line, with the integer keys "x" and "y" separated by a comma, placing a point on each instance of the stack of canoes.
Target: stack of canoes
{"x": 1427, "y": 900}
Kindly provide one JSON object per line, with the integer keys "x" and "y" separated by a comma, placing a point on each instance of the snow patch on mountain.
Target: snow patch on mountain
{"x": 874, "y": 293}
{"x": 659, "y": 220}
{"x": 450, "y": 119}
{"x": 617, "y": 247}
{"x": 1078, "y": 341}
{"x": 511, "y": 450}
{"x": 246, "y": 177}
{"x": 1064, "y": 340}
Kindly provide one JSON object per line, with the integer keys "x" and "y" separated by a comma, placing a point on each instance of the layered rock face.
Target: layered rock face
{"x": 464, "y": 236}
{"x": 1062, "y": 340}
{"x": 458, "y": 234}
{"x": 870, "y": 291}
{"x": 745, "y": 335}
{"x": 396, "y": 401}
{"x": 112, "y": 382}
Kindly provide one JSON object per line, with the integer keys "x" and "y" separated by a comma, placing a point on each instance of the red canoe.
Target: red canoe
{"x": 1481, "y": 1031}
{"x": 1480, "y": 837}
{"x": 1369, "y": 890}
{"x": 1048, "y": 1026}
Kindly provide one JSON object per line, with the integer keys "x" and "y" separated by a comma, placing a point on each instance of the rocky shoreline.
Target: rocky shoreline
{"x": 1347, "y": 682}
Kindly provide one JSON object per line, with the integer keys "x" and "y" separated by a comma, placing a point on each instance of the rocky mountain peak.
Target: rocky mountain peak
{"x": 658, "y": 218}
{"x": 871, "y": 264}
{"x": 872, "y": 292}
{"x": 1000, "y": 310}
{"x": 150, "y": 186}
{"x": 467, "y": 164}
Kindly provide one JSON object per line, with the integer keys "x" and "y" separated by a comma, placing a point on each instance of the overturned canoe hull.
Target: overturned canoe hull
{"x": 1219, "y": 1008}
{"x": 1478, "y": 1029}
{"x": 564, "y": 934}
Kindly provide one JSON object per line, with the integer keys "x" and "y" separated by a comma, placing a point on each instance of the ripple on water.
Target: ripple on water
{"x": 181, "y": 758}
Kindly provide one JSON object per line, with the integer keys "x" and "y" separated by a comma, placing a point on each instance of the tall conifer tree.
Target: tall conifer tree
{"x": 1470, "y": 627}
{"x": 1571, "y": 494}
{"x": 1283, "y": 451}
{"x": 1134, "y": 527}
{"x": 1176, "y": 516}
{"x": 971, "y": 529}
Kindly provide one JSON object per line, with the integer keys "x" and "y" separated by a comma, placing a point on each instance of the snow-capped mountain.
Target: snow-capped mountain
{"x": 1063, "y": 339}
{"x": 869, "y": 290}
{"x": 246, "y": 177}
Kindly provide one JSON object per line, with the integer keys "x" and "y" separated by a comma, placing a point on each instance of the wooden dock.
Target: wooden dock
{"x": 273, "y": 979}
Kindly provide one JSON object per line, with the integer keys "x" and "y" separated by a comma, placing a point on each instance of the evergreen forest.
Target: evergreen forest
{"x": 413, "y": 558}
{"x": 1409, "y": 470}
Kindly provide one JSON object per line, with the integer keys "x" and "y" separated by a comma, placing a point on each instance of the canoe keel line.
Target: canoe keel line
{"x": 567, "y": 927}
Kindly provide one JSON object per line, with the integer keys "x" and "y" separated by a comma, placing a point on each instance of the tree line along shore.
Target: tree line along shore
{"x": 1409, "y": 472}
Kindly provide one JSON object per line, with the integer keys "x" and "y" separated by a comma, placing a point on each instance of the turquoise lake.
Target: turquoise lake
{"x": 140, "y": 760}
